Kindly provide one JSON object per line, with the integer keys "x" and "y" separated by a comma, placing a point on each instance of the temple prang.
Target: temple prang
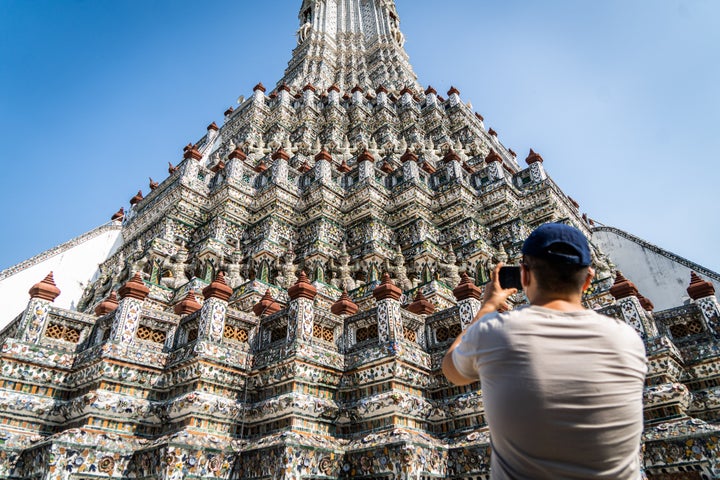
{"x": 280, "y": 303}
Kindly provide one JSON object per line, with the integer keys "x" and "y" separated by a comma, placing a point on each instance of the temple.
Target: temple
{"x": 278, "y": 306}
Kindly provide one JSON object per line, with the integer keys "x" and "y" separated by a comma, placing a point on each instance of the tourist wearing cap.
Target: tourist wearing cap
{"x": 562, "y": 386}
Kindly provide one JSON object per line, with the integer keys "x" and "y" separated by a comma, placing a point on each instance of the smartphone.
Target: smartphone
{"x": 510, "y": 277}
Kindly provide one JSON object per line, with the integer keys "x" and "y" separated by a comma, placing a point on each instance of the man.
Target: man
{"x": 562, "y": 386}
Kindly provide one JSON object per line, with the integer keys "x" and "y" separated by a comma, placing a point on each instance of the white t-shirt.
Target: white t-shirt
{"x": 562, "y": 393}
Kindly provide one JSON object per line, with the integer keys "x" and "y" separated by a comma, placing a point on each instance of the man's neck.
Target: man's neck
{"x": 569, "y": 304}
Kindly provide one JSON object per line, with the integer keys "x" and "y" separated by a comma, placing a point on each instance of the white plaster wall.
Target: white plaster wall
{"x": 659, "y": 275}
{"x": 72, "y": 263}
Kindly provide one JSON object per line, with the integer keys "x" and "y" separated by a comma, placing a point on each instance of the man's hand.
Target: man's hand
{"x": 494, "y": 299}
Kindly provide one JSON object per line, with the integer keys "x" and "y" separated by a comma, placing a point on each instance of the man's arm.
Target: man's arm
{"x": 495, "y": 298}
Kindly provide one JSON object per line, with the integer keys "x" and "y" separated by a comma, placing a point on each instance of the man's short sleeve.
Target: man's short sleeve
{"x": 463, "y": 356}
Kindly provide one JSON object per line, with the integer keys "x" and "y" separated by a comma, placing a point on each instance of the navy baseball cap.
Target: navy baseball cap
{"x": 559, "y": 243}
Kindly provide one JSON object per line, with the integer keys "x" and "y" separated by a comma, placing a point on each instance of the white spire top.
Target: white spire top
{"x": 350, "y": 43}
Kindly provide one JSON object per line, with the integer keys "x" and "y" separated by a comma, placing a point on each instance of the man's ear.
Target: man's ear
{"x": 524, "y": 276}
{"x": 588, "y": 278}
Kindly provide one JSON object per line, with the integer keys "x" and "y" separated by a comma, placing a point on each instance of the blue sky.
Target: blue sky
{"x": 622, "y": 99}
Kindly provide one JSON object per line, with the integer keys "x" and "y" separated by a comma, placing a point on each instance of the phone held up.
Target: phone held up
{"x": 510, "y": 277}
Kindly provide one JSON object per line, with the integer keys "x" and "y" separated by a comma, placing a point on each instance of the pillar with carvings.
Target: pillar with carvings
{"x": 468, "y": 296}
{"x": 452, "y": 165}
{"x": 35, "y": 317}
{"x": 280, "y": 166}
{"x": 633, "y": 312}
{"x": 410, "y": 169}
{"x": 212, "y": 313}
{"x": 129, "y": 311}
{"x": 301, "y": 310}
{"x": 387, "y": 295}
{"x": 494, "y": 166}
{"x": 234, "y": 167}
{"x": 535, "y": 164}
{"x": 663, "y": 391}
{"x": 323, "y": 164}
{"x": 703, "y": 294}
{"x": 366, "y": 168}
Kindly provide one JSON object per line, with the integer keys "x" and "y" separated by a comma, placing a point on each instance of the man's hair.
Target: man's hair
{"x": 556, "y": 277}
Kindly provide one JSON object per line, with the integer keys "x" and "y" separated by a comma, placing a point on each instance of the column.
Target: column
{"x": 34, "y": 318}
{"x": 212, "y": 313}
{"x": 129, "y": 311}
{"x": 387, "y": 295}
{"x": 468, "y": 296}
{"x": 626, "y": 295}
{"x": 301, "y": 310}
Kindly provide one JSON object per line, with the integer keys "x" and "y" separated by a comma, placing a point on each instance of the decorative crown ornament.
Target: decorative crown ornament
{"x": 302, "y": 288}
{"x": 387, "y": 289}
{"x": 134, "y": 288}
{"x": 45, "y": 289}
{"x": 108, "y": 305}
{"x": 218, "y": 289}
{"x": 623, "y": 288}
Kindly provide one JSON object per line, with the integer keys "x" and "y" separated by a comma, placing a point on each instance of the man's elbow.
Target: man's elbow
{"x": 452, "y": 374}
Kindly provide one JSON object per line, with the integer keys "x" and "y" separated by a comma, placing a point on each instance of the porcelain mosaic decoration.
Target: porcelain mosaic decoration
{"x": 282, "y": 300}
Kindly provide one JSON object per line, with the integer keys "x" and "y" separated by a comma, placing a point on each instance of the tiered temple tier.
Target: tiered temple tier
{"x": 217, "y": 389}
{"x": 269, "y": 181}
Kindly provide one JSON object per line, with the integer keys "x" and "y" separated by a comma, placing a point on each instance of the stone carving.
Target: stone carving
{"x": 234, "y": 268}
{"x": 344, "y": 279}
{"x": 398, "y": 270}
{"x": 304, "y": 32}
{"x": 175, "y": 267}
{"x": 604, "y": 268}
{"x": 218, "y": 392}
{"x": 449, "y": 271}
{"x": 287, "y": 269}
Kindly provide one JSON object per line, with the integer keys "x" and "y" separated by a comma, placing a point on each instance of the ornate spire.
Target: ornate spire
{"x": 387, "y": 289}
{"x": 451, "y": 156}
{"x": 45, "y": 289}
{"x": 134, "y": 288}
{"x": 266, "y": 306}
{"x": 344, "y": 305}
{"x": 623, "y": 287}
{"x": 467, "y": 289}
{"x": 119, "y": 215}
{"x": 646, "y": 303}
{"x": 137, "y": 198}
{"x": 408, "y": 156}
{"x": 356, "y": 41}
{"x": 421, "y": 305}
{"x": 108, "y": 305}
{"x": 302, "y": 288}
{"x": 218, "y": 289}
{"x": 699, "y": 288}
{"x": 533, "y": 157}
{"x": 493, "y": 157}
{"x": 188, "y": 305}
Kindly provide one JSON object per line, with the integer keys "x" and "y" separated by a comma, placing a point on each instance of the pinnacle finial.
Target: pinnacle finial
{"x": 218, "y": 289}
{"x": 188, "y": 305}
{"x": 421, "y": 305}
{"x": 344, "y": 305}
{"x": 623, "y": 288}
{"x": 45, "y": 289}
{"x": 302, "y": 288}
{"x": 699, "y": 288}
{"x": 108, "y": 305}
{"x": 493, "y": 157}
{"x": 387, "y": 289}
{"x": 134, "y": 288}
{"x": 533, "y": 157}
{"x": 267, "y": 305}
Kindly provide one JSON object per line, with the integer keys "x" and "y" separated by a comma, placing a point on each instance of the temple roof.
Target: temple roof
{"x": 346, "y": 43}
